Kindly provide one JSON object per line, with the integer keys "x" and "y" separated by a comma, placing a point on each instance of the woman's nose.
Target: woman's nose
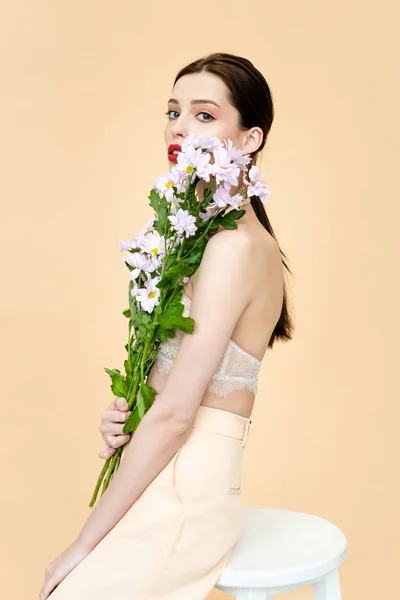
{"x": 179, "y": 128}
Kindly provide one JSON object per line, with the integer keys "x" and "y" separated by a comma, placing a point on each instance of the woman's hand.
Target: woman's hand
{"x": 62, "y": 566}
{"x": 112, "y": 422}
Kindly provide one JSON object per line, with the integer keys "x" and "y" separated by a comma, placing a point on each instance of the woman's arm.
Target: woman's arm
{"x": 220, "y": 297}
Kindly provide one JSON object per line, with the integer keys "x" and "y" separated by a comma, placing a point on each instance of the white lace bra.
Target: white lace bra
{"x": 237, "y": 369}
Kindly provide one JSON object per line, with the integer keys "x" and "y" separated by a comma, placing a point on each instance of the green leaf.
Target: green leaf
{"x": 197, "y": 253}
{"x": 229, "y": 224}
{"x": 144, "y": 400}
{"x": 160, "y": 205}
{"x": 186, "y": 324}
{"x": 143, "y": 323}
{"x": 148, "y": 394}
{"x": 213, "y": 227}
{"x": 140, "y": 403}
{"x": 174, "y": 274}
{"x": 172, "y": 318}
{"x": 207, "y": 198}
{"x": 132, "y": 421}
{"x": 192, "y": 201}
{"x": 163, "y": 334}
{"x": 127, "y": 367}
{"x": 118, "y": 385}
{"x": 127, "y": 312}
{"x": 227, "y": 220}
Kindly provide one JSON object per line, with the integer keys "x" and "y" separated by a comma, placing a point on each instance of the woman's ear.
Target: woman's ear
{"x": 253, "y": 140}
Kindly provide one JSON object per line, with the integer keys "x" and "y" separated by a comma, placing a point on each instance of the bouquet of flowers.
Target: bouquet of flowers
{"x": 168, "y": 250}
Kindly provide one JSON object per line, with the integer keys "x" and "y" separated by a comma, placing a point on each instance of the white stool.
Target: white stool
{"x": 281, "y": 550}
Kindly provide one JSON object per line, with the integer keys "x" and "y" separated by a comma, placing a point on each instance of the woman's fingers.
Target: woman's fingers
{"x": 106, "y": 452}
{"x": 115, "y": 441}
{"x": 120, "y": 404}
{"x": 110, "y": 427}
{"x": 114, "y": 416}
{"x": 112, "y": 423}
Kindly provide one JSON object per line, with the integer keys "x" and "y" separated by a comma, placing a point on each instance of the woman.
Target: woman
{"x": 166, "y": 525}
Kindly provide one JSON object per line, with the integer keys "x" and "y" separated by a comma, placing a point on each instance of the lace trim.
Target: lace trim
{"x": 238, "y": 369}
{"x": 220, "y": 386}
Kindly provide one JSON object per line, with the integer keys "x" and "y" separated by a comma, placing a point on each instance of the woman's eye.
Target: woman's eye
{"x": 208, "y": 115}
{"x": 171, "y": 111}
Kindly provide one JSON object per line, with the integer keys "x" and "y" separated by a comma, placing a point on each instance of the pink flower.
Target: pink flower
{"x": 167, "y": 183}
{"x": 183, "y": 222}
{"x": 256, "y": 185}
{"x": 223, "y": 169}
{"x": 140, "y": 262}
{"x": 236, "y": 155}
{"x": 195, "y": 141}
{"x": 195, "y": 161}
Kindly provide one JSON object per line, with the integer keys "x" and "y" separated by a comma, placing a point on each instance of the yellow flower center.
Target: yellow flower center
{"x": 154, "y": 250}
{"x": 169, "y": 184}
{"x": 151, "y": 294}
{"x": 189, "y": 169}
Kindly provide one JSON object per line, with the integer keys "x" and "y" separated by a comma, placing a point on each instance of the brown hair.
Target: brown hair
{"x": 249, "y": 93}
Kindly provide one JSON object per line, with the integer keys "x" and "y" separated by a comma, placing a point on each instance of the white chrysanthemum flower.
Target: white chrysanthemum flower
{"x": 156, "y": 261}
{"x": 183, "y": 223}
{"x": 149, "y": 295}
{"x": 195, "y": 141}
{"x": 152, "y": 243}
{"x": 209, "y": 212}
{"x": 167, "y": 182}
{"x": 195, "y": 161}
{"x": 180, "y": 178}
{"x": 223, "y": 169}
{"x": 129, "y": 245}
{"x": 140, "y": 262}
{"x": 149, "y": 226}
{"x": 256, "y": 185}
{"x": 164, "y": 185}
{"x": 222, "y": 198}
{"x": 236, "y": 155}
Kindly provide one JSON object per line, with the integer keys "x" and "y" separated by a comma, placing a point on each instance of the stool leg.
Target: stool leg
{"x": 328, "y": 588}
{"x": 253, "y": 595}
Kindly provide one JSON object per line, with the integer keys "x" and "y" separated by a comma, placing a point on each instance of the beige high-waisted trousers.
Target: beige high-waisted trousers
{"x": 176, "y": 538}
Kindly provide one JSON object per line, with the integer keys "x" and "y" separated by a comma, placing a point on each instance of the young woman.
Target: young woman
{"x": 166, "y": 525}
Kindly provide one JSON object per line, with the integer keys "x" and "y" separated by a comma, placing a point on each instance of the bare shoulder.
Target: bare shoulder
{"x": 230, "y": 238}
{"x": 230, "y": 244}
{"x": 228, "y": 252}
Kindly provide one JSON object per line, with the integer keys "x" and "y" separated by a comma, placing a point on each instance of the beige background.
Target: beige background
{"x": 84, "y": 89}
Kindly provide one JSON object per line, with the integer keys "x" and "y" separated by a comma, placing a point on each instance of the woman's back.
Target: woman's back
{"x": 233, "y": 388}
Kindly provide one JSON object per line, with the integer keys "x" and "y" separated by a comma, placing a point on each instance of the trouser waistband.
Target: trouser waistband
{"x": 216, "y": 420}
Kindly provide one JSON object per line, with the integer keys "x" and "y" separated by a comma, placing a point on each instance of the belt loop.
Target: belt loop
{"x": 245, "y": 433}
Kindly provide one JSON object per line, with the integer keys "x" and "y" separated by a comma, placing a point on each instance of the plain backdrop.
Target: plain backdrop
{"x": 84, "y": 86}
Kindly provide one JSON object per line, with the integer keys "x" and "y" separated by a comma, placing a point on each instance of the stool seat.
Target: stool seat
{"x": 281, "y": 550}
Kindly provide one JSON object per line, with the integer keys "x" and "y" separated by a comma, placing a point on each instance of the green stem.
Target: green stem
{"x": 98, "y": 484}
{"x": 112, "y": 463}
{"x": 114, "y": 460}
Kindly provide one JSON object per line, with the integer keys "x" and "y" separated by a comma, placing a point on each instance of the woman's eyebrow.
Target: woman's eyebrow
{"x": 174, "y": 101}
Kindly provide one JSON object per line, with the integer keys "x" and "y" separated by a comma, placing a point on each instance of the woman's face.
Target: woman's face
{"x": 199, "y": 104}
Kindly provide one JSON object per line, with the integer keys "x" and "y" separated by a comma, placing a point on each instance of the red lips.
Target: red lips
{"x": 171, "y": 156}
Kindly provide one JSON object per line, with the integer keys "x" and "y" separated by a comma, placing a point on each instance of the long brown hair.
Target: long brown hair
{"x": 249, "y": 93}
